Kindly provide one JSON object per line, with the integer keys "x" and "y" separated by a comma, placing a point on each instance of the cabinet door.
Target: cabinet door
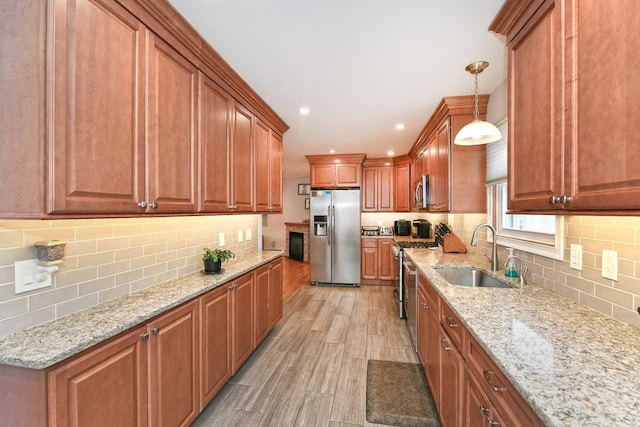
{"x": 369, "y": 190}
{"x": 433, "y": 357}
{"x": 214, "y": 139}
{"x": 535, "y": 115}
{"x": 452, "y": 369}
{"x": 604, "y": 166}
{"x": 106, "y": 387}
{"x": 385, "y": 189}
{"x": 173, "y": 367}
{"x": 97, "y": 149}
{"x": 275, "y": 292}
{"x": 323, "y": 176}
{"x": 423, "y": 331}
{"x": 385, "y": 259}
{"x": 402, "y": 189}
{"x": 215, "y": 343}
{"x": 242, "y": 159}
{"x": 262, "y": 323}
{"x": 443, "y": 174}
{"x": 348, "y": 175}
{"x": 243, "y": 320}
{"x": 475, "y": 405}
{"x": 171, "y": 132}
{"x": 275, "y": 181}
{"x": 369, "y": 263}
{"x": 263, "y": 162}
{"x": 434, "y": 188}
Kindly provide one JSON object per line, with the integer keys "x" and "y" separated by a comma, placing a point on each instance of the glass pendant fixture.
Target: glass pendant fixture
{"x": 477, "y": 132}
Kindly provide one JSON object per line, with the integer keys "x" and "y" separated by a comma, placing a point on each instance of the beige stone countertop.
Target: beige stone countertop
{"x": 400, "y": 238}
{"x": 573, "y": 365}
{"x": 44, "y": 345}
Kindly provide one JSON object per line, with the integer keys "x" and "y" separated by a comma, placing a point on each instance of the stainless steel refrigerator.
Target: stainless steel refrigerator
{"x": 335, "y": 237}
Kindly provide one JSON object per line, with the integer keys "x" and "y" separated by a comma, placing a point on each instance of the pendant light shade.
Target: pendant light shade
{"x": 477, "y": 132}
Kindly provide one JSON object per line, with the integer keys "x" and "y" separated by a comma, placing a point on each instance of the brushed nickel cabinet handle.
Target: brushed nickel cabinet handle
{"x": 554, "y": 199}
{"x": 566, "y": 199}
{"x": 444, "y": 344}
{"x": 155, "y": 331}
{"x": 487, "y": 377}
{"x": 492, "y": 423}
{"x": 142, "y": 204}
{"x": 144, "y": 337}
{"x": 153, "y": 205}
{"x": 484, "y": 411}
{"x": 451, "y": 323}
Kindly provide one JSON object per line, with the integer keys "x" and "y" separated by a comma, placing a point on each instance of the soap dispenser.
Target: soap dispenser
{"x": 510, "y": 268}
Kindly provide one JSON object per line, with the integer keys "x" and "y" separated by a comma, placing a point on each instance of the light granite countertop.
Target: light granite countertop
{"x": 573, "y": 365}
{"x": 44, "y": 345}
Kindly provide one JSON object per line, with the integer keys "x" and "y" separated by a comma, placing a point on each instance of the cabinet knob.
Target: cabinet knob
{"x": 142, "y": 204}
{"x": 153, "y": 205}
{"x": 444, "y": 344}
{"x": 451, "y": 323}
{"x": 155, "y": 331}
{"x": 484, "y": 411}
{"x": 566, "y": 199}
{"x": 144, "y": 337}
{"x": 492, "y": 423}
{"x": 554, "y": 199}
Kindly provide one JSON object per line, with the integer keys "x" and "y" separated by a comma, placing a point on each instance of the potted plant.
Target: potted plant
{"x": 213, "y": 259}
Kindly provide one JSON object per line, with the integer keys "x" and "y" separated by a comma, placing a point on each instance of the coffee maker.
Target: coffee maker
{"x": 421, "y": 229}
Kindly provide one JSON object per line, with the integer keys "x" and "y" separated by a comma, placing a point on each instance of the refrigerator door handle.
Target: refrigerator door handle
{"x": 329, "y": 226}
{"x": 333, "y": 225}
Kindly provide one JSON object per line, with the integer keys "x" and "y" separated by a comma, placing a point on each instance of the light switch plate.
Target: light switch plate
{"x": 239, "y": 236}
{"x": 221, "y": 239}
{"x": 610, "y": 264}
{"x": 25, "y": 274}
{"x": 247, "y": 234}
{"x": 575, "y": 261}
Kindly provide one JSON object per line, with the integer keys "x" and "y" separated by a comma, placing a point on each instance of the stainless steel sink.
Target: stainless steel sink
{"x": 471, "y": 277}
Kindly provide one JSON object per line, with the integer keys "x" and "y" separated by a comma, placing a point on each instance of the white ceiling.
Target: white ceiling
{"x": 360, "y": 66}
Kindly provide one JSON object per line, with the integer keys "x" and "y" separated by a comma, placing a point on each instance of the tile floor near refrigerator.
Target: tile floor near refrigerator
{"x": 312, "y": 369}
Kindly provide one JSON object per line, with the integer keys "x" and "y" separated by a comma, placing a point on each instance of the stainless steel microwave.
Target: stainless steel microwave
{"x": 422, "y": 192}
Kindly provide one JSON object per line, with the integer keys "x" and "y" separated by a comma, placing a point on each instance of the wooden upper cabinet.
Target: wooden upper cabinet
{"x": 535, "y": 115}
{"x": 323, "y": 176}
{"x": 173, "y": 367}
{"x": 106, "y": 387}
{"x": 215, "y": 342}
{"x": 242, "y": 164}
{"x": 275, "y": 292}
{"x": 262, "y": 323}
{"x": 172, "y": 118}
{"x": 97, "y": 149}
{"x": 214, "y": 139}
{"x": 348, "y": 175}
{"x": 603, "y": 54}
{"x": 401, "y": 189}
{"x": 263, "y": 165}
{"x": 336, "y": 171}
{"x": 442, "y": 175}
{"x": 243, "y": 319}
{"x": 369, "y": 189}
{"x": 275, "y": 174}
{"x": 385, "y": 189}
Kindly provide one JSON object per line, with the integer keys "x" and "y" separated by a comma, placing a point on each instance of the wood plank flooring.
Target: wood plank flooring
{"x": 311, "y": 369}
{"x": 295, "y": 274}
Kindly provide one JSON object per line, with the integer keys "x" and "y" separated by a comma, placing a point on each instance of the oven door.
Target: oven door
{"x": 398, "y": 292}
{"x": 411, "y": 300}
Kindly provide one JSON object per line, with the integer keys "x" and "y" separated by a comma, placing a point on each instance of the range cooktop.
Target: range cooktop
{"x": 417, "y": 244}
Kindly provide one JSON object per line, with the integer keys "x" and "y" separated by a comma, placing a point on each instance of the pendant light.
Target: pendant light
{"x": 477, "y": 132}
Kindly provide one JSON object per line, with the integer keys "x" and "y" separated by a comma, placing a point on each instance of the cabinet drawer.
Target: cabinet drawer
{"x": 433, "y": 299}
{"x": 511, "y": 406}
{"x": 369, "y": 243}
{"x": 452, "y": 325}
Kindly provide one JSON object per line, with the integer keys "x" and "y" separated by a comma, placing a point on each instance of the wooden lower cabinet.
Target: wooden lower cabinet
{"x": 243, "y": 290}
{"x": 433, "y": 358}
{"x": 106, "y": 387}
{"x": 386, "y": 264}
{"x": 173, "y": 367}
{"x": 477, "y": 409}
{"x": 423, "y": 331}
{"x": 369, "y": 260}
{"x": 377, "y": 262}
{"x": 451, "y": 371}
{"x": 263, "y": 274}
{"x": 215, "y": 343}
{"x": 275, "y": 292}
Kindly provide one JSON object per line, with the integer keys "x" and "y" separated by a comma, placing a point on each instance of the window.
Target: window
{"x": 538, "y": 234}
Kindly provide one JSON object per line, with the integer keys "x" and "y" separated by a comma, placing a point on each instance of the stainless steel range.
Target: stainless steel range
{"x": 398, "y": 292}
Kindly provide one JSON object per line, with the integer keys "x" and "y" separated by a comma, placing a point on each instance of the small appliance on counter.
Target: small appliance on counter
{"x": 369, "y": 230}
{"x": 402, "y": 227}
{"x": 421, "y": 229}
{"x": 385, "y": 230}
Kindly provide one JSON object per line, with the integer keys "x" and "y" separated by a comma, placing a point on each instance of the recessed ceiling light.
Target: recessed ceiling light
{"x": 304, "y": 111}
{"x": 332, "y": 151}
{"x": 390, "y": 153}
{"x": 400, "y": 126}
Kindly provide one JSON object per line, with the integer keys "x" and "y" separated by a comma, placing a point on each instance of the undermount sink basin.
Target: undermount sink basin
{"x": 471, "y": 277}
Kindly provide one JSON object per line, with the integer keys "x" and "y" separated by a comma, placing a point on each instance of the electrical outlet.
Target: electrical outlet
{"x": 610, "y": 264}
{"x": 28, "y": 278}
{"x": 239, "y": 236}
{"x": 575, "y": 261}
{"x": 247, "y": 234}
{"x": 221, "y": 239}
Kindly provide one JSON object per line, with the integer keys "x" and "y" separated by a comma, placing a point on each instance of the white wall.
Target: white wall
{"x": 273, "y": 228}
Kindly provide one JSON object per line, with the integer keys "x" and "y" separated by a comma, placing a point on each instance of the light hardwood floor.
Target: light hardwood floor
{"x": 311, "y": 369}
{"x": 295, "y": 275}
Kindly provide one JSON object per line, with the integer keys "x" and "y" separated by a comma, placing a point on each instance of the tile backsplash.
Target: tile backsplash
{"x": 617, "y": 299}
{"x": 108, "y": 258}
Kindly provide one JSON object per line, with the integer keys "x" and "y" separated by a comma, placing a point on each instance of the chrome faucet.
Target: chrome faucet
{"x": 494, "y": 252}
{"x": 522, "y": 270}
